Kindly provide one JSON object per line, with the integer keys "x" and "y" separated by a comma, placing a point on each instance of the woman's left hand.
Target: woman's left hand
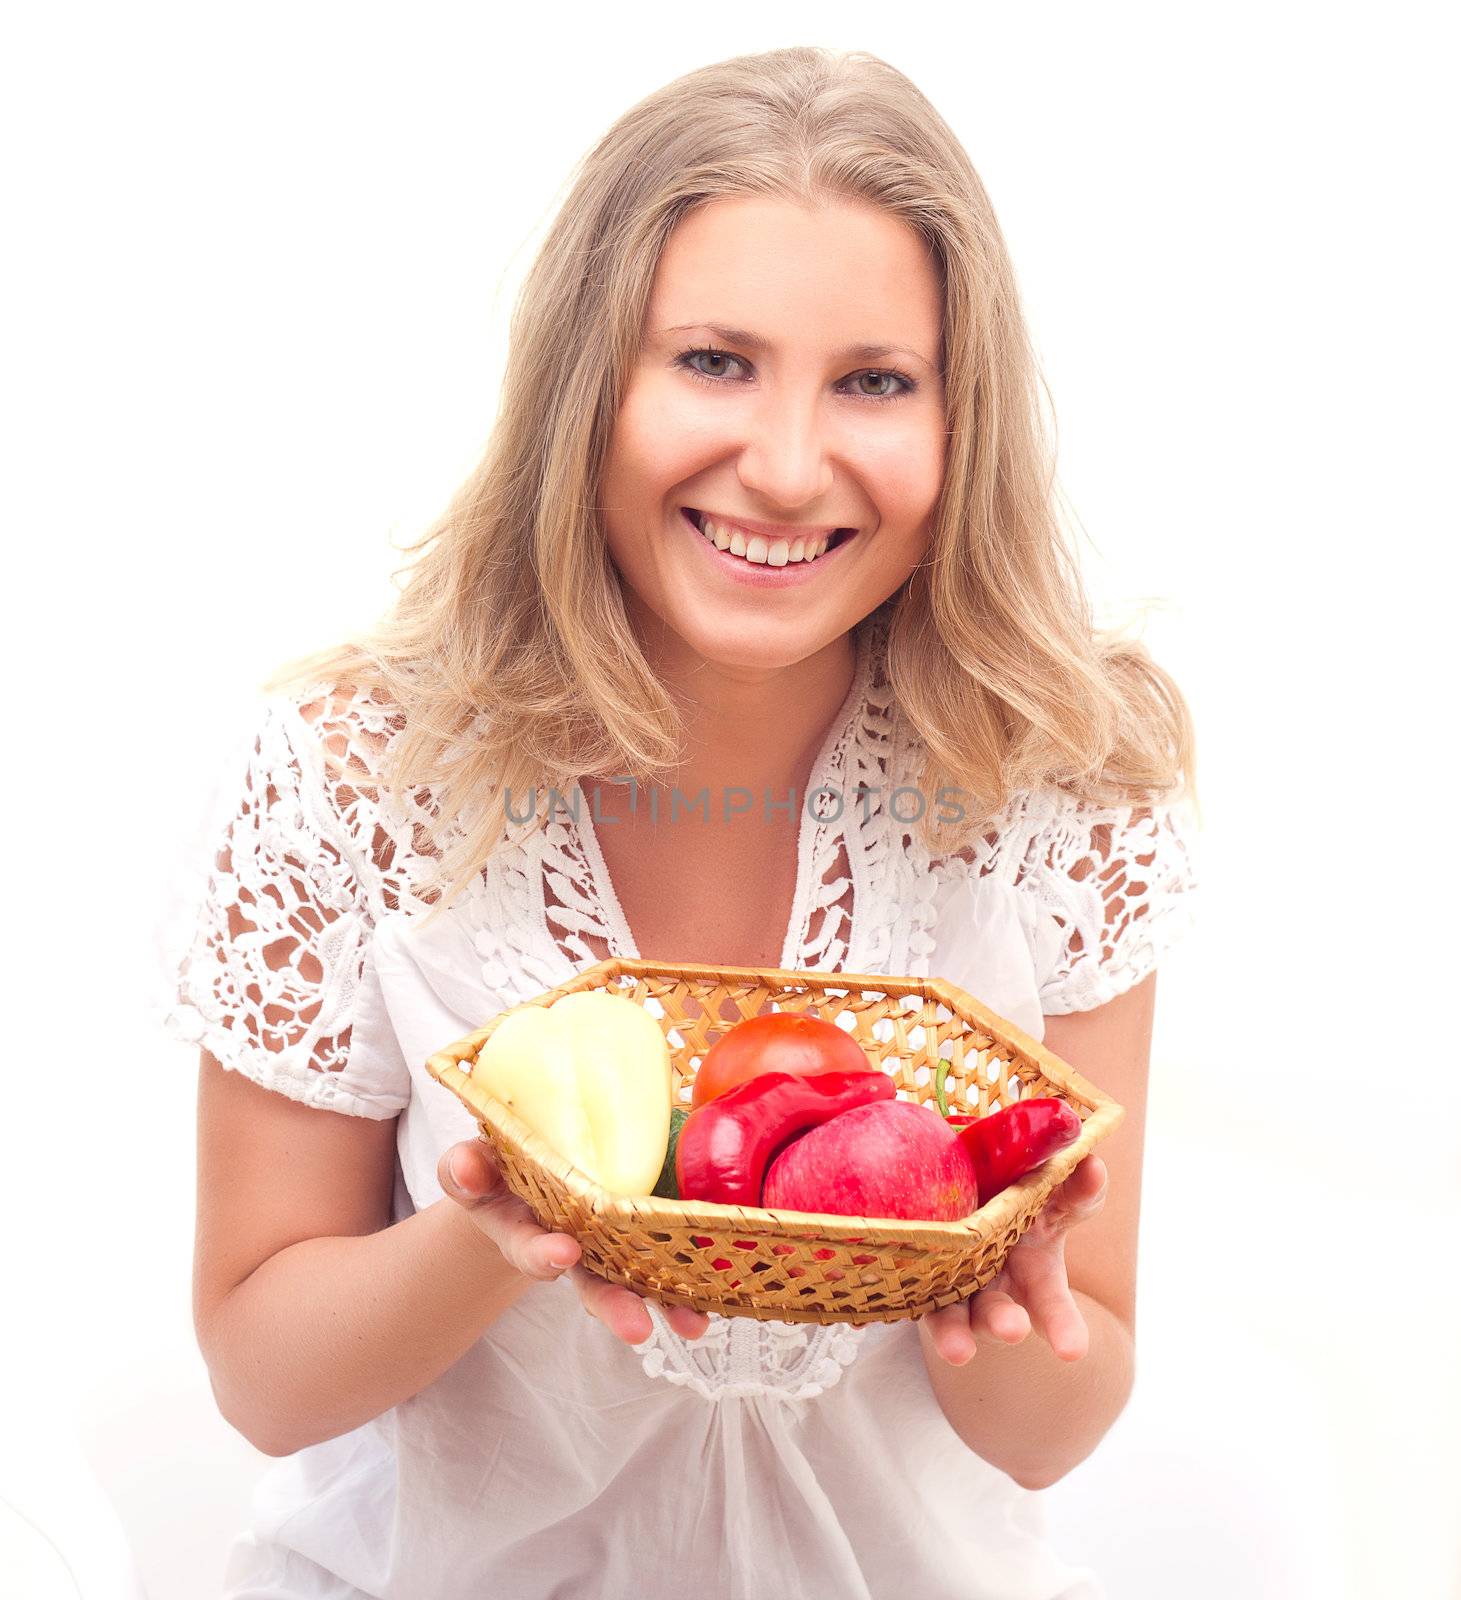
{"x": 1031, "y": 1288}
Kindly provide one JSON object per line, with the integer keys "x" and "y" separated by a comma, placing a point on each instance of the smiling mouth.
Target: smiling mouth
{"x": 759, "y": 549}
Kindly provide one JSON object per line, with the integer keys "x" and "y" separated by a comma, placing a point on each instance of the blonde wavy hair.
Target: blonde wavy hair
{"x": 508, "y": 652}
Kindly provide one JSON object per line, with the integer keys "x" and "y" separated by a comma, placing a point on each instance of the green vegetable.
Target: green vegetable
{"x": 666, "y": 1188}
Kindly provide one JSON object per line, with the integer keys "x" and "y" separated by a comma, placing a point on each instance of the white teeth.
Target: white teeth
{"x": 757, "y": 548}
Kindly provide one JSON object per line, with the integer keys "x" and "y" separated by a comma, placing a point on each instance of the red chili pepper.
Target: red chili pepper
{"x": 1007, "y": 1144}
{"x": 726, "y": 1144}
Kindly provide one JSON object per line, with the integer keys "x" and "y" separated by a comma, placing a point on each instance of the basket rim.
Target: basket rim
{"x": 447, "y": 1067}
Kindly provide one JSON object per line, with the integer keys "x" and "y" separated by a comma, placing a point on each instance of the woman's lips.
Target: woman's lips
{"x": 761, "y": 574}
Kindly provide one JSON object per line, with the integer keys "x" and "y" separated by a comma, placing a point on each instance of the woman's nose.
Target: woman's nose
{"x": 785, "y": 458}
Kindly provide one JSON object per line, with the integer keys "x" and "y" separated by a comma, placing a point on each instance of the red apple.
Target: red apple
{"x": 893, "y": 1158}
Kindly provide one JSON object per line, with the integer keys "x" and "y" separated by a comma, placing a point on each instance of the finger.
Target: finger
{"x": 467, "y": 1172}
{"x": 1077, "y": 1200}
{"x": 1084, "y": 1192}
{"x": 950, "y": 1334}
{"x": 522, "y": 1239}
{"x": 1056, "y": 1316}
{"x": 995, "y": 1315}
{"x": 468, "y": 1175}
{"x": 620, "y": 1310}
{"x": 685, "y": 1320}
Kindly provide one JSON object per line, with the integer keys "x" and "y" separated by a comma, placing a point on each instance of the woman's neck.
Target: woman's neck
{"x": 751, "y": 728}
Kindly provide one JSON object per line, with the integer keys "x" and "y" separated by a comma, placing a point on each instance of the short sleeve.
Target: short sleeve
{"x": 1109, "y": 891}
{"x": 270, "y": 982}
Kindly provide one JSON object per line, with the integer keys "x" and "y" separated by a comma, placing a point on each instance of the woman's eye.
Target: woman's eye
{"x": 710, "y": 355}
{"x": 886, "y": 377}
{"x": 718, "y": 358}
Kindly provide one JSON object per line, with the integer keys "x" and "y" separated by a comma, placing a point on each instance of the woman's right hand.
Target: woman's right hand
{"x": 468, "y": 1174}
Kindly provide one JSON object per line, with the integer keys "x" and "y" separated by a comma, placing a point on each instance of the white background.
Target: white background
{"x": 260, "y": 266}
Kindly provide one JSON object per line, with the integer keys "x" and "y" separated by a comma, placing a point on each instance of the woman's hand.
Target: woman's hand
{"x": 468, "y": 1174}
{"x": 1031, "y": 1288}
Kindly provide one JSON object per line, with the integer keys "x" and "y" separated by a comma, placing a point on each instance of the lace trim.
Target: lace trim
{"x": 309, "y": 859}
{"x": 835, "y": 845}
{"x": 578, "y": 917}
{"x": 1110, "y": 888}
{"x": 1118, "y": 883}
{"x": 518, "y": 958}
{"x": 895, "y": 888}
{"x": 738, "y": 1357}
{"x": 862, "y": 856}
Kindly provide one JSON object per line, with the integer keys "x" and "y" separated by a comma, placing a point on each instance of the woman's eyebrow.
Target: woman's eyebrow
{"x": 753, "y": 341}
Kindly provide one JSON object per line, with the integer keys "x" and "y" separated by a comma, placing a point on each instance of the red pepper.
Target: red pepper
{"x": 1007, "y": 1144}
{"x": 727, "y": 1144}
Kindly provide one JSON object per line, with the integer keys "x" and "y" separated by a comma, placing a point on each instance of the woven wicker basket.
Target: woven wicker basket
{"x": 784, "y": 1265}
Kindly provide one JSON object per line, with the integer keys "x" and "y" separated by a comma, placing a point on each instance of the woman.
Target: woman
{"x": 766, "y": 513}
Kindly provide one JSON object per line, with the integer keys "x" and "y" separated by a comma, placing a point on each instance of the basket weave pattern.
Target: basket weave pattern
{"x": 783, "y": 1265}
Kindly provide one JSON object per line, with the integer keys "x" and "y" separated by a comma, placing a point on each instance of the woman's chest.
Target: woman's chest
{"x": 720, "y": 897}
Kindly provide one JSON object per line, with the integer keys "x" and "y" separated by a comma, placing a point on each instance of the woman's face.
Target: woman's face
{"x": 814, "y": 403}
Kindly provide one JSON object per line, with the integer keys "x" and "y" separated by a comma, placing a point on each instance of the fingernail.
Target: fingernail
{"x": 453, "y": 1167}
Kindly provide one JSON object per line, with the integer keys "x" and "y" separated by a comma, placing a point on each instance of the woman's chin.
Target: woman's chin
{"x": 755, "y": 649}
{"x": 753, "y": 645}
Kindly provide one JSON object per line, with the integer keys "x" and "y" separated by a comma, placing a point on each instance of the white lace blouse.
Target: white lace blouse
{"x": 800, "y": 1461}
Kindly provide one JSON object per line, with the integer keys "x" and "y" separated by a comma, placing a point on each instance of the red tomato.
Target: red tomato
{"x": 779, "y": 1041}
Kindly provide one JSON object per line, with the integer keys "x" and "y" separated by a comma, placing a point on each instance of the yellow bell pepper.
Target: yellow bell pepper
{"x": 591, "y": 1075}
